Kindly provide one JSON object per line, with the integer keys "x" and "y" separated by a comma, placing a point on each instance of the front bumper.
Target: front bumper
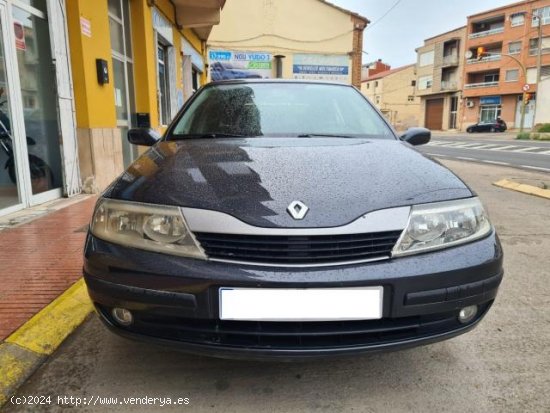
{"x": 174, "y": 300}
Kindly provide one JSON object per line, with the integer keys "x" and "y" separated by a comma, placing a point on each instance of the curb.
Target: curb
{"x": 526, "y": 189}
{"x": 30, "y": 345}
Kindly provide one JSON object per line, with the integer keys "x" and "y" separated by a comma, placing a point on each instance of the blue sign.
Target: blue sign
{"x": 320, "y": 70}
{"x": 490, "y": 100}
{"x": 219, "y": 55}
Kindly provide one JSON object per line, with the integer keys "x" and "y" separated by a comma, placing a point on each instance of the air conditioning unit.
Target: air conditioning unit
{"x": 470, "y": 104}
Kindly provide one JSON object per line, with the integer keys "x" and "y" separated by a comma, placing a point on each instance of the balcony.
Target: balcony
{"x": 486, "y": 33}
{"x": 485, "y": 59}
{"x": 449, "y": 85}
{"x": 480, "y": 85}
{"x": 451, "y": 60}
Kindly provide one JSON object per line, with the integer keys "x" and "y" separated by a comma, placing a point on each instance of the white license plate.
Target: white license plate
{"x": 286, "y": 304}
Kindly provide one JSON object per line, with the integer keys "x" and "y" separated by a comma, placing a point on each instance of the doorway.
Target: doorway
{"x": 31, "y": 169}
{"x": 434, "y": 114}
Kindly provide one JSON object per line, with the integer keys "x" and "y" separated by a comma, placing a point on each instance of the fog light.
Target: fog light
{"x": 467, "y": 314}
{"x": 122, "y": 316}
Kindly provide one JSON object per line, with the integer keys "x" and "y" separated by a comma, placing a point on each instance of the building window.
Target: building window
{"x": 532, "y": 74}
{"x": 512, "y": 75}
{"x": 534, "y": 46}
{"x": 514, "y": 48}
{"x": 425, "y": 82}
{"x": 489, "y": 113}
{"x": 376, "y": 83}
{"x": 122, "y": 72}
{"x": 517, "y": 19}
{"x": 544, "y": 15}
{"x": 426, "y": 59}
{"x": 368, "y": 85}
{"x": 413, "y": 83}
{"x": 377, "y": 100}
{"x": 491, "y": 77}
{"x": 163, "y": 84}
{"x": 410, "y": 98}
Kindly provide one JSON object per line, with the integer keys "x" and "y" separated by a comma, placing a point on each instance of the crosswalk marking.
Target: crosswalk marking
{"x": 537, "y": 150}
{"x": 527, "y": 149}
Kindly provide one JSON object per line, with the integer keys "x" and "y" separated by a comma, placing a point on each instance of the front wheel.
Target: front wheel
{"x": 41, "y": 174}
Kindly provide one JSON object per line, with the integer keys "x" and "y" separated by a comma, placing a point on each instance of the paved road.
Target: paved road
{"x": 501, "y": 366}
{"x": 491, "y": 148}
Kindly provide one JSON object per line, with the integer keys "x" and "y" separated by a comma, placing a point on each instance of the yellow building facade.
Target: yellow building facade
{"x": 393, "y": 92}
{"x": 306, "y": 39}
{"x": 134, "y": 63}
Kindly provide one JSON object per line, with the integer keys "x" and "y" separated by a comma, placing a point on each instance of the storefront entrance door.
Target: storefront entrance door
{"x": 30, "y": 150}
{"x": 9, "y": 190}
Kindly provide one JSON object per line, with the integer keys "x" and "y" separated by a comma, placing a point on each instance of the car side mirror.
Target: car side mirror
{"x": 417, "y": 136}
{"x": 143, "y": 137}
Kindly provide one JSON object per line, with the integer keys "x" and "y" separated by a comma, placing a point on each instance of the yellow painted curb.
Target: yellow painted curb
{"x": 526, "y": 189}
{"x": 27, "y": 348}
{"x": 47, "y": 329}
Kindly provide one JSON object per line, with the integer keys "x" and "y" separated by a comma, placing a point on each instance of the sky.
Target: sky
{"x": 395, "y": 37}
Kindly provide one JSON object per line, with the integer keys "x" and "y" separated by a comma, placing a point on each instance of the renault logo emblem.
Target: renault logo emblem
{"x": 297, "y": 210}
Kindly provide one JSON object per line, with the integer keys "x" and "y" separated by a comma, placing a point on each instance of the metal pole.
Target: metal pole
{"x": 539, "y": 63}
{"x": 524, "y": 70}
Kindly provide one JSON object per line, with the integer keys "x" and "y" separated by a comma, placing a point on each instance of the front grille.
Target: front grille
{"x": 296, "y": 250}
{"x": 294, "y": 335}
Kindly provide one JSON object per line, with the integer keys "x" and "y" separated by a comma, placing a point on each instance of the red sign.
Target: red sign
{"x": 19, "y": 35}
{"x": 526, "y": 88}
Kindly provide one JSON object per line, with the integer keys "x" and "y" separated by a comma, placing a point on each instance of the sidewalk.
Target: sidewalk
{"x": 39, "y": 260}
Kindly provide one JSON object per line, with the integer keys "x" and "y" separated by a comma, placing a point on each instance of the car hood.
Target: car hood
{"x": 256, "y": 179}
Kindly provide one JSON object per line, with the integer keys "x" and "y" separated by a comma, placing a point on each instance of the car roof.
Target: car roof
{"x": 279, "y": 81}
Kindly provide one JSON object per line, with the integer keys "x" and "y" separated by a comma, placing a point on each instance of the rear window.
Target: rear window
{"x": 281, "y": 109}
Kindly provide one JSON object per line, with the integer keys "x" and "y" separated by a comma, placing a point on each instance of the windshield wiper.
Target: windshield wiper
{"x": 324, "y": 135}
{"x": 207, "y": 136}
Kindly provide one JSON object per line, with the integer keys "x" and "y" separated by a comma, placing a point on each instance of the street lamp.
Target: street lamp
{"x": 482, "y": 52}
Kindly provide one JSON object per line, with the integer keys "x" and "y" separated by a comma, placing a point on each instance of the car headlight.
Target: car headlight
{"x": 149, "y": 227}
{"x": 441, "y": 225}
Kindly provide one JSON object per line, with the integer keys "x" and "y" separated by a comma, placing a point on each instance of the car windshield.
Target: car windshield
{"x": 280, "y": 110}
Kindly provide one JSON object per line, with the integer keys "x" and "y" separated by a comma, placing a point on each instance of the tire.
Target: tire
{"x": 41, "y": 174}
{"x": 469, "y": 130}
{"x": 10, "y": 166}
{"x": 493, "y": 130}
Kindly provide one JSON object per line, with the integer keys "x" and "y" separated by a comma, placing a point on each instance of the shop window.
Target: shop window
{"x": 163, "y": 83}
{"x": 489, "y": 113}
{"x": 195, "y": 78}
{"x": 122, "y": 72}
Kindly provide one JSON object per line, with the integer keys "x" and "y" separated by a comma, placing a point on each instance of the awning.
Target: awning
{"x": 199, "y": 15}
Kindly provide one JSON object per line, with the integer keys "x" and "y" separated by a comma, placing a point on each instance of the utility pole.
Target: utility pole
{"x": 539, "y": 61}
